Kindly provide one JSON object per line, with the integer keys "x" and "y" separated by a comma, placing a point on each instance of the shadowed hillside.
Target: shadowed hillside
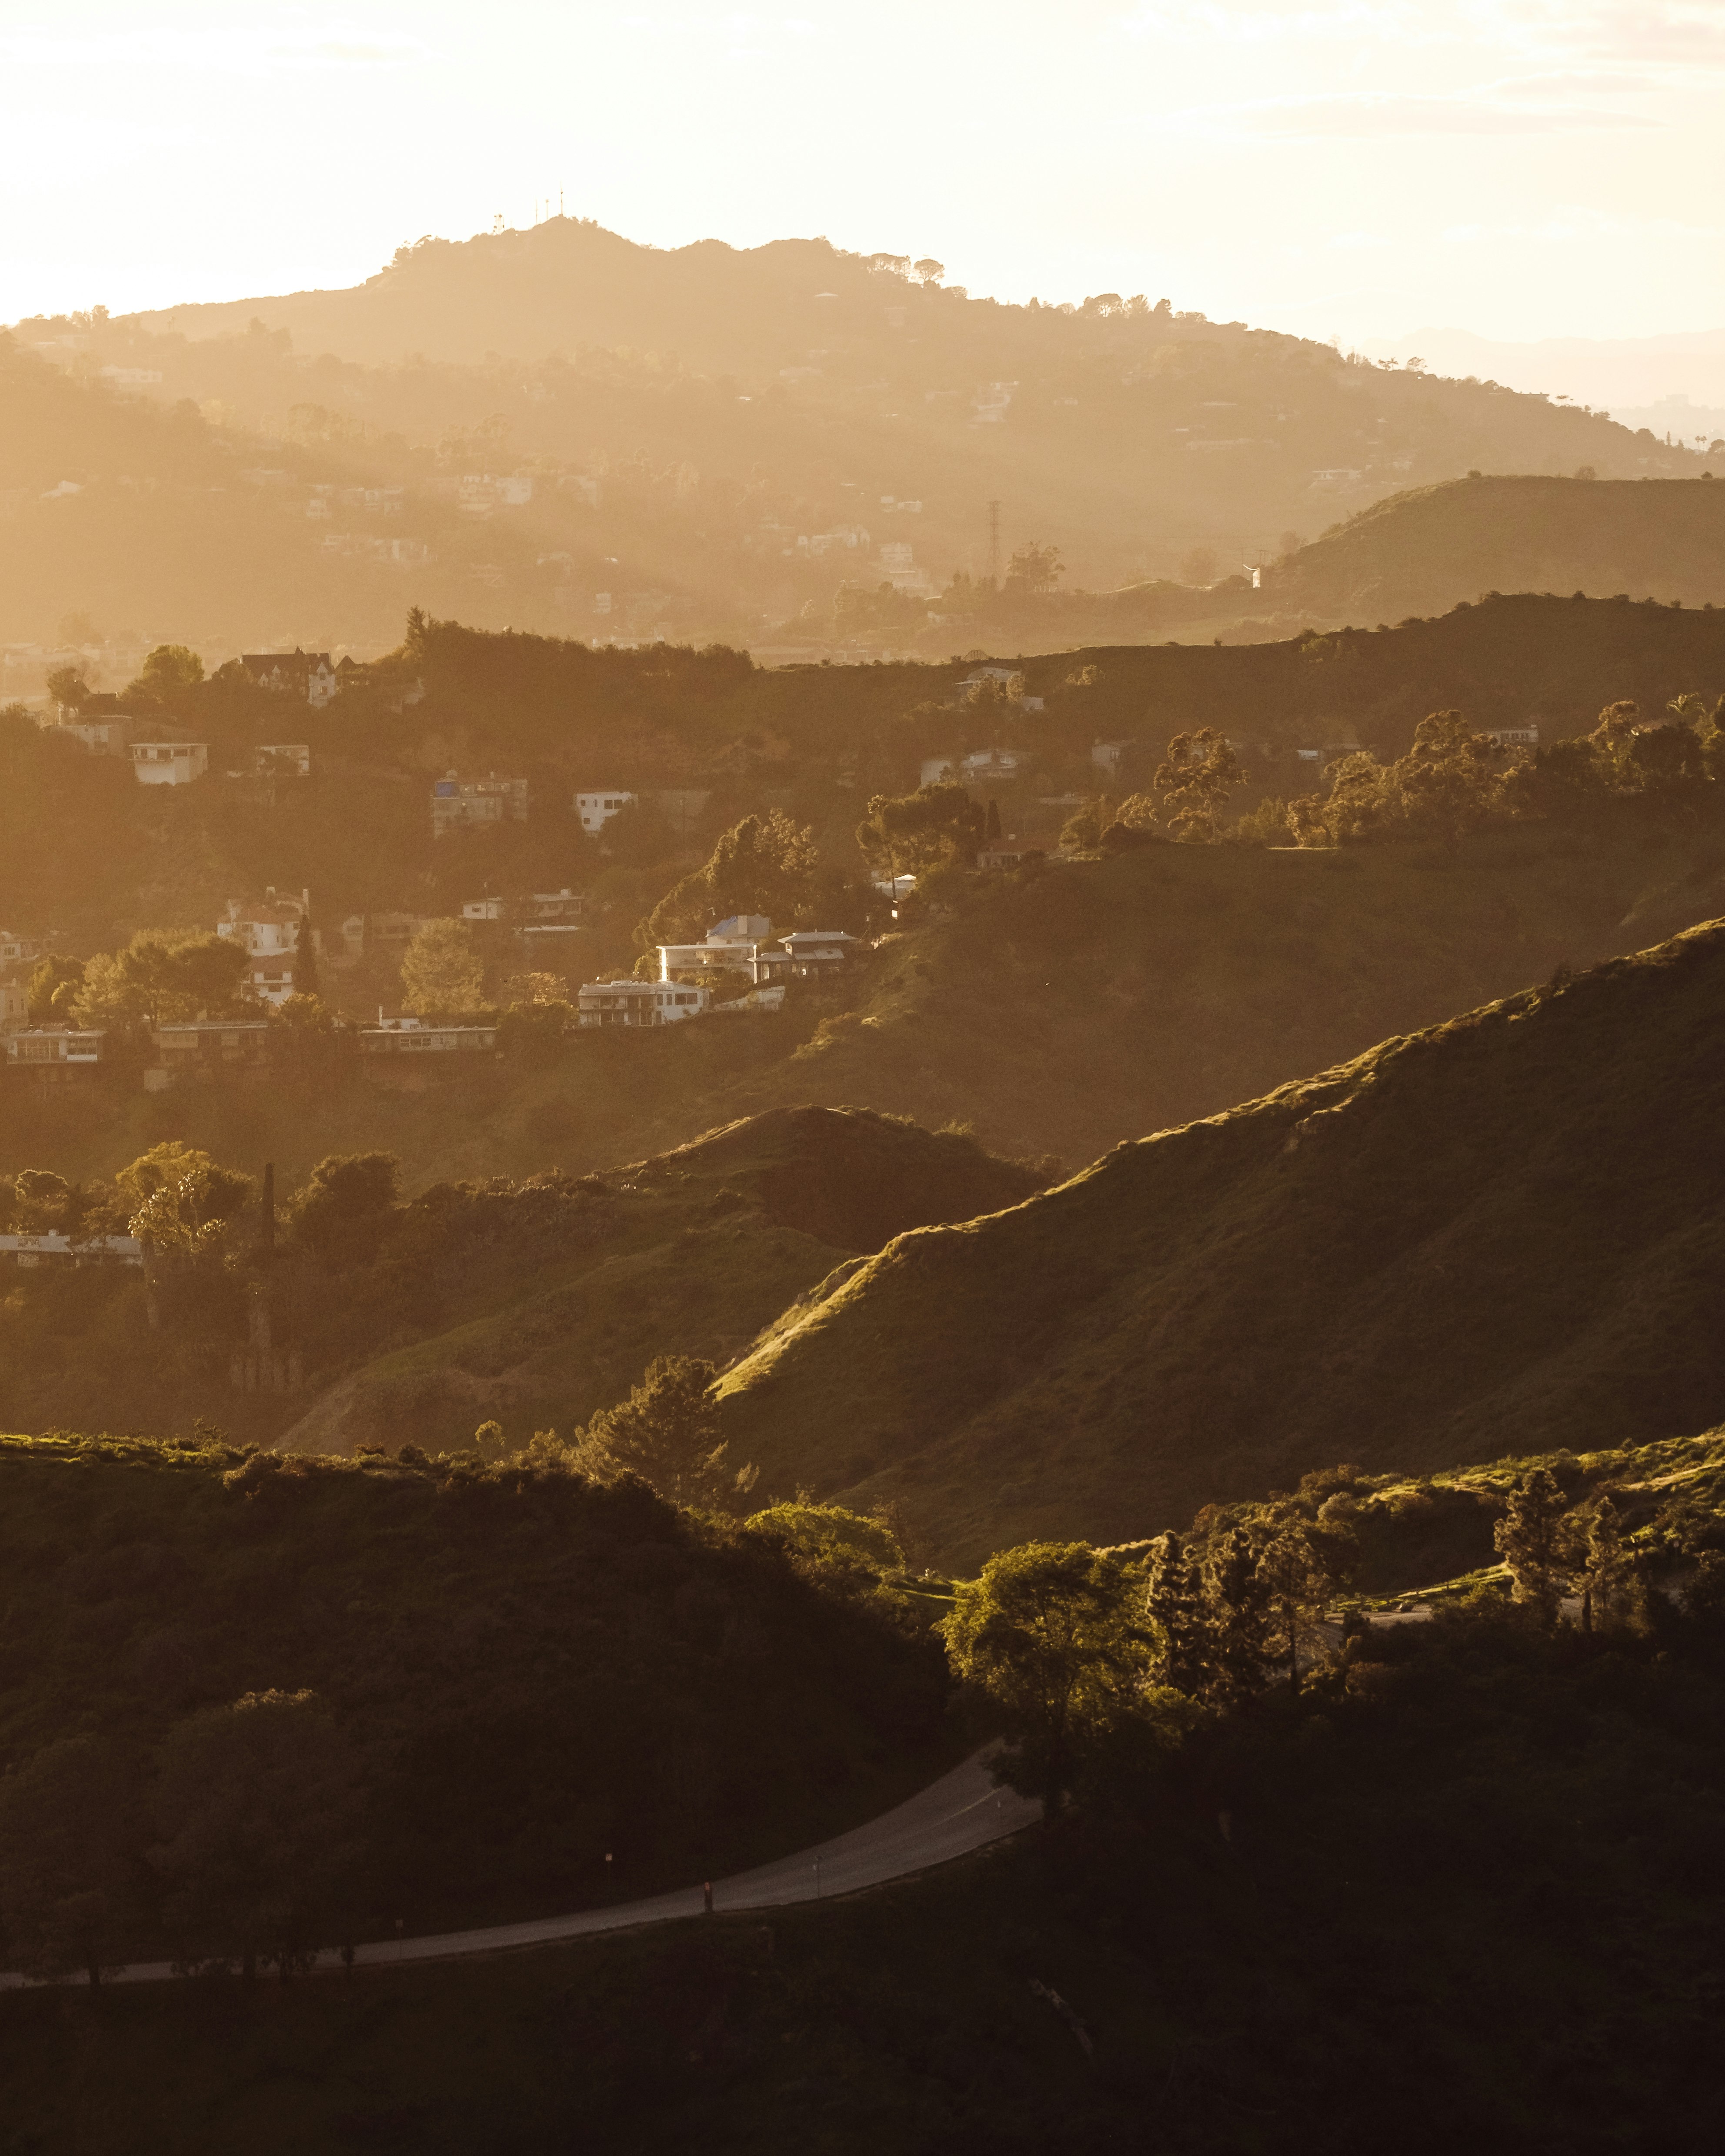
{"x": 1500, "y": 1235}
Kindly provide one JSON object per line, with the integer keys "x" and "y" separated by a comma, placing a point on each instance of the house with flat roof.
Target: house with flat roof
{"x": 640, "y": 1003}
{"x": 596, "y": 809}
{"x": 459, "y": 804}
{"x": 169, "y": 763}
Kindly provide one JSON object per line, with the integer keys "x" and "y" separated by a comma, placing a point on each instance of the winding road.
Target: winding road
{"x": 961, "y": 1812}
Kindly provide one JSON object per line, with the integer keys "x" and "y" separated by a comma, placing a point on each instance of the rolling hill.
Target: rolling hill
{"x": 1419, "y": 552}
{"x": 531, "y": 1303}
{"x": 1499, "y": 1233}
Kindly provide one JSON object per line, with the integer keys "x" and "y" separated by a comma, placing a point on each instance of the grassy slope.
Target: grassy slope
{"x": 1419, "y": 552}
{"x": 1497, "y": 1235}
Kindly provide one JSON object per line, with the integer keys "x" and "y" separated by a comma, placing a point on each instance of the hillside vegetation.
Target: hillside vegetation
{"x": 694, "y": 420}
{"x": 1419, "y": 552}
{"x": 1498, "y": 1233}
{"x": 497, "y": 1676}
{"x": 530, "y": 1304}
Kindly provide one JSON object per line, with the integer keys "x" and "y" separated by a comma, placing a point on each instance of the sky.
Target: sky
{"x": 1518, "y": 169}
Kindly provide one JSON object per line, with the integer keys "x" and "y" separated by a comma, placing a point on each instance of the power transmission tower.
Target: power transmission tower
{"x": 995, "y": 543}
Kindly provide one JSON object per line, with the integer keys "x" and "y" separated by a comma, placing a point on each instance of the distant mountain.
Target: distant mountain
{"x": 719, "y": 439}
{"x": 1617, "y": 374}
{"x": 1502, "y": 1234}
{"x": 1421, "y": 552}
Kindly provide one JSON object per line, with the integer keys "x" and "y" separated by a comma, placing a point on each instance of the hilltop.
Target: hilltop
{"x": 1499, "y": 1233}
{"x": 529, "y": 1303}
{"x": 1420, "y": 552}
{"x": 714, "y": 441}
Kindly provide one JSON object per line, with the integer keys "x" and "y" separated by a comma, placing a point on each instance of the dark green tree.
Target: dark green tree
{"x": 343, "y": 1207}
{"x": 936, "y": 827}
{"x": 258, "y": 1806}
{"x": 1531, "y": 1539}
{"x": 1180, "y": 1617}
{"x": 72, "y": 1831}
{"x": 1238, "y": 1593}
{"x": 306, "y": 979}
{"x": 765, "y": 865}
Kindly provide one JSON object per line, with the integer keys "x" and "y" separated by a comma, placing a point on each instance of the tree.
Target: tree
{"x": 341, "y": 1211}
{"x": 71, "y": 1834}
{"x": 1607, "y": 1563}
{"x": 258, "y": 1805}
{"x": 1237, "y": 1594}
{"x": 1194, "y": 780}
{"x": 1174, "y": 1605}
{"x": 930, "y": 271}
{"x": 163, "y": 977}
{"x": 1048, "y": 1632}
{"x": 41, "y": 1197}
{"x": 180, "y": 1200}
{"x": 70, "y": 686}
{"x": 938, "y": 826}
{"x": 306, "y": 982}
{"x": 1530, "y": 1539}
{"x": 53, "y": 989}
{"x": 991, "y": 829}
{"x": 168, "y": 675}
{"x": 1298, "y": 1586}
{"x": 442, "y": 973}
{"x": 765, "y": 865}
{"x": 667, "y": 1432}
{"x": 1034, "y": 570}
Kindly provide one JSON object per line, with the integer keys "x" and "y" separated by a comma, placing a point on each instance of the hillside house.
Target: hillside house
{"x": 554, "y": 916}
{"x": 596, "y": 809}
{"x": 813, "y": 951}
{"x": 18, "y": 950}
{"x": 484, "y": 909}
{"x": 54, "y": 1248}
{"x": 980, "y": 766}
{"x": 460, "y": 805}
{"x": 200, "y": 1047}
{"x": 168, "y": 763}
{"x": 639, "y": 1003}
{"x": 394, "y": 932}
{"x": 1109, "y": 755}
{"x": 1512, "y": 736}
{"x": 307, "y": 674}
{"x": 414, "y": 1037}
{"x": 1006, "y": 853}
{"x": 269, "y": 933}
{"x": 283, "y": 760}
{"x": 54, "y": 1050}
{"x": 14, "y": 1001}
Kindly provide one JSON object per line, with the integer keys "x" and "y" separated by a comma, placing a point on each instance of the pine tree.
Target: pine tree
{"x": 1238, "y": 1595}
{"x": 1607, "y": 1565}
{"x": 991, "y": 829}
{"x": 1175, "y": 1604}
{"x": 1530, "y": 1539}
{"x": 306, "y": 982}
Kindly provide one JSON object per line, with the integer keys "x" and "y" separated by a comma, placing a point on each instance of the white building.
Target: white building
{"x": 169, "y": 764}
{"x": 54, "y": 1248}
{"x": 269, "y": 933}
{"x": 640, "y": 1003}
{"x": 597, "y": 809}
{"x": 53, "y": 1047}
{"x": 283, "y": 760}
{"x": 484, "y": 909}
{"x": 1512, "y": 736}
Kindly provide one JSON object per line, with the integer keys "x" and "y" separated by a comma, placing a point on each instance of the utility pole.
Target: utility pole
{"x": 995, "y": 543}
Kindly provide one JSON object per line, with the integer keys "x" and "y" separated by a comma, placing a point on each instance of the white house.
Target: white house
{"x": 53, "y": 1047}
{"x": 18, "y": 950}
{"x": 55, "y": 1248}
{"x": 597, "y": 809}
{"x": 640, "y": 1003}
{"x": 980, "y": 766}
{"x": 269, "y": 933}
{"x": 484, "y": 909}
{"x": 816, "y": 950}
{"x": 169, "y": 764}
{"x": 1512, "y": 736}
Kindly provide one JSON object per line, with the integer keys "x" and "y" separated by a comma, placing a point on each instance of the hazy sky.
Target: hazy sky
{"x": 1516, "y": 167}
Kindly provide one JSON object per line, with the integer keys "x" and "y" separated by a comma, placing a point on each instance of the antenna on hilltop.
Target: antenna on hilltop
{"x": 994, "y": 542}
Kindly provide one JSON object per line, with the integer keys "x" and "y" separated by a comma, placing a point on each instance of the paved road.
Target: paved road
{"x": 961, "y": 1812}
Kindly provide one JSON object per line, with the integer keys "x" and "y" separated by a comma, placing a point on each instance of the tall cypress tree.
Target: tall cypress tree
{"x": 307, "y": 981}
{"x": 1174, "y": 1605}
{"x": 1530, "y": 1539}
